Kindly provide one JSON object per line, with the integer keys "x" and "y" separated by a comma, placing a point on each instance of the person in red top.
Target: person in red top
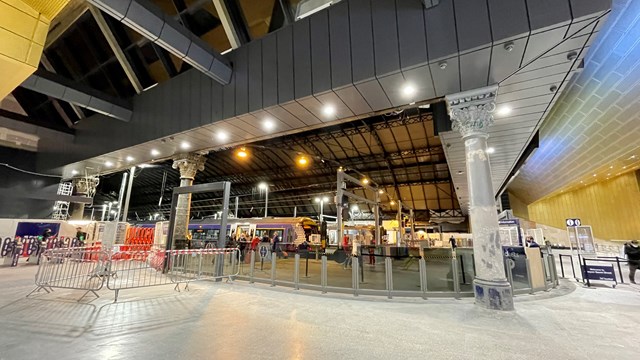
{"x": 254, "y": 242}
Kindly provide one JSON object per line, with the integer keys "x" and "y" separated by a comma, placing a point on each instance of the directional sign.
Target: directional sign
{"x": 573, "y": 222}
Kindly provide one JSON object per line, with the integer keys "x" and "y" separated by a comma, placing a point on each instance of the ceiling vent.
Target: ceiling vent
{"x": 309, "y": 7}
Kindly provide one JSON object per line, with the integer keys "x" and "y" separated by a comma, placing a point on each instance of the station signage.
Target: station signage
{"x": 511, "y": 222}
{"x": 573, "y": 222}
{"x": 595, "y": 272}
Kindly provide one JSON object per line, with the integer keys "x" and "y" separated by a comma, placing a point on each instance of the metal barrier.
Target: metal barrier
{"x": 138, "y": 269}
{"x": 88, "y": 268}
{"x": 73, "y": 268}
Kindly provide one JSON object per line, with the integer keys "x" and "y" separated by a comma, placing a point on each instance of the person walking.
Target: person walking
{"x": 275, "y": 248}
{"x": 632, "y": 251}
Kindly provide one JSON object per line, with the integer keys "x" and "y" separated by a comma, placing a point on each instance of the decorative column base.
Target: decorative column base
{"x": 493, "y": 295}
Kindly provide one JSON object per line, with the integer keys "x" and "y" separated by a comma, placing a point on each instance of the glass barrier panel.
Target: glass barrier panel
{"x": 406, "y": 271}
{"x": 439, "y": 269}
{"x": 311, "y": 269}
{"x": 262, "y": 268}
{"x": 372, "y": 270}
{"x": 519, "y": 271}
{"x": 466, "y": 268}
{"x": 285, "y": 265}
{"x": 338, "y": 268}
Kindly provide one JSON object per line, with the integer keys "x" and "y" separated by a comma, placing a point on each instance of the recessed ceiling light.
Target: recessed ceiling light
{"x": 222, "y": 136}
{"x": 408, "y": 90}
{"x": 380, "y": 191}
{"x": 328, "y": 110}
{"x": 611, "y": 167}
{"x": 504, "y": 110}
{"x": 185, "y": 145}
{"x": 74, "y": 172}
{"x": 608, "y": 174}
{"x": 594, "y": 174}
{"x": 633, "y": 156}
{"x": 130, "y": 159}
{"x": 155, "y": 152}
{"x": 624, "y": 167}
{"x": 108, "y": 164}
{"x": 268, "y": 124}
{"x": 491, "y": 150}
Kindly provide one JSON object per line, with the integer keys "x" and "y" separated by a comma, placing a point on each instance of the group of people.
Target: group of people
{"x": 243, "y": 243}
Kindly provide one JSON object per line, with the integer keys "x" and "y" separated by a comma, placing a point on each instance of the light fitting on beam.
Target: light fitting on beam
{"x": 509, "y": 46}
{"x": 329, "y": 110}
{"x": 155, "y": 152}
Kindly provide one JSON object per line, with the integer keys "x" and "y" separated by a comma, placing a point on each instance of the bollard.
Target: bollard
{"x": 620, "y": 270}
{"x": 510, "y": 265}
{"x": 252, "y": 266}
{"x": 273, "y": 269}
{"x": 388, "y": 270}
{"x": 296, "y": 272}
{"x": 456, "y": 279}
{"x": 355, "y": 283}
{"x": 323, "y": 274}
{"x": 423, "y": 277}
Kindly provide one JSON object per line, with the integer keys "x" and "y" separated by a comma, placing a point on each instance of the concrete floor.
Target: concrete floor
{"x": 243, "y": 321}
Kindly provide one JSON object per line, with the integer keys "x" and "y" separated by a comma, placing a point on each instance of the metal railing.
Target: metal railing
{"x": 89, "y": 268}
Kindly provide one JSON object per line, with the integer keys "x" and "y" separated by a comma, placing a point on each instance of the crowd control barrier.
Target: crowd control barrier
{"x": 91, "y": 268}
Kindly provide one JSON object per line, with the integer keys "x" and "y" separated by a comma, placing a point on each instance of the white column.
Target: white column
{"x": 471, "y": 113}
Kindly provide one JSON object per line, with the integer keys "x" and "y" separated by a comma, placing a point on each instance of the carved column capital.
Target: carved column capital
{"x": 472, "y": 111}
{"x": 86, "y": 185}
{"x": 189, "y": 164}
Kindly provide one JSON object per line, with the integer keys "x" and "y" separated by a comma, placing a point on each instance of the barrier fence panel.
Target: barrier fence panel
{"x": 73, "y": 268}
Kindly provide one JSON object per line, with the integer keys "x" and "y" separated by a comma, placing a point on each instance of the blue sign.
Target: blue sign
{"x": 599, "y": 272}
{"x": 263, "y": 251}
{"x": 509, "y": 222}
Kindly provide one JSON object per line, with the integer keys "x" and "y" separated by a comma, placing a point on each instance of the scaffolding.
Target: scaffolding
{"x": 61, "y": 208}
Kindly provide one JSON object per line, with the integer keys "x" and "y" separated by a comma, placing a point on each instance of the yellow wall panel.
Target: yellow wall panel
{"x": 611, "y": 207}
{"x": 519, "y": 207}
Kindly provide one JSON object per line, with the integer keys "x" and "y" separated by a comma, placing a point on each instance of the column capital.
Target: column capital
{"x": 86, "y": 185}
{"x": 472, "y": 111}
{"x": 189, "y": 164}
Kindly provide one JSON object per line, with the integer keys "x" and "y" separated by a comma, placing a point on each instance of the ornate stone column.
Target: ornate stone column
{"x": 188, "y": 164}
{"x": 471, "y": 114}
{"x": 84, "y": 186}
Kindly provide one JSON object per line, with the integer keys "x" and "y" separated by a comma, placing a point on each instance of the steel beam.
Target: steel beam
{"x": 117, "y": 50}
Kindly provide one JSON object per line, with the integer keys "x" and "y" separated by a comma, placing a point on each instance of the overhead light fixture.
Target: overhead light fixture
{"x": 263, "y": 185}
{"x": 340, "y": 169}
{"x": 329, "y": 110}
{"x": 108, "y": 164}
{"x": 392, "y": 203}
{"x": 302, "y": 161}
{"x": 317, "y": 199}
{"x": 443, "y": 65}
{"x": 365, "y": 181}
{"x": 355, "y": 207}
{"x": 185, "y": 145}
{"x": 408, "y": 90}
{"x": 325, "y": 199}
{"x": 268, "y": 124}
{"x": 460, "y": 172}
{"x": 222, "y": 136}
{"x": 491, "y": 150}
{"x": 74, "y": 172}
{"x": 242, "y": 153}
{"x": 130, "y": 159}
{"x": 594, "y": 174}
{"x": 310, "y": 7}
{"x": 380, "y": 191}
{"x": 504, "y": 110}
{"x": 155, "y": 152}
{"x": 144, "y": 166}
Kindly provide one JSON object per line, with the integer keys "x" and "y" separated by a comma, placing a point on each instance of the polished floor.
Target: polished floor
{"x": 244, "y": 321}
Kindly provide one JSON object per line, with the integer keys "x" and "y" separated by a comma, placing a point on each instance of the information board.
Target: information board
{"x": 599, "y": 272}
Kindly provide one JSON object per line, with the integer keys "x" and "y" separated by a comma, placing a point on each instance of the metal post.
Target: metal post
{"x": 295, "y": 210}
{"x": 355, "y": 282}
{"x": 321, "y": 209}
{"x": 236, "y": 212}
{"x": 266, "y": 201}
{"x": 128, "y": 197}
{"x": 376, "y": 217}
{"x": 340, "y": 179}
{"x": 423, "y": 277}
{"x": 92, "y": 210}
{"x": 123, "y": 187}
{"x": 109, "y": 212}
{"x": 413, "y": 228}
{"x": 620, "y": 270}
{"x": 252, "y": 266}
{"x": 400, "y": 227}
{"x": 323, "y": 274}
{"x": 388, "y": 270}
{"x": 561, "y": 265}
{"x": 273, "y": 268}
{"x": 584, "y": 272}
{"x": 456, "y": 279}
{"x": 296, "y": 272}
{"x": 104, "y": 210}
{"x": 222, "y": 238}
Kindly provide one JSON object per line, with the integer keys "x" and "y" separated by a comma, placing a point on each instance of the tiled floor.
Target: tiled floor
{"x": 243, "y": 321}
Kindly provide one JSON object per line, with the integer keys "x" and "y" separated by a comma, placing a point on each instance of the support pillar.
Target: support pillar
{"x": 189, "y": 165}
{"x": 471, "y": 114}
{"x": 84, "y": 186}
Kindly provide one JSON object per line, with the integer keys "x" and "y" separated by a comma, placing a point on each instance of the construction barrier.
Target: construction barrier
{"x": 89, "y": 268}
